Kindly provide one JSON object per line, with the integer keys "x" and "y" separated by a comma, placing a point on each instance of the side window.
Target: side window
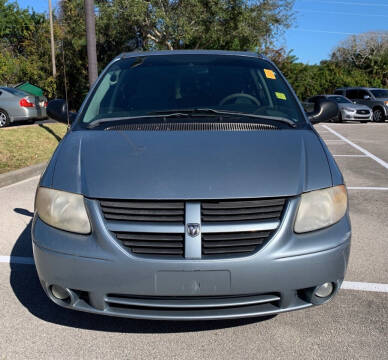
{"x": 352, "y": 94}
{"x": 362, "y": 94}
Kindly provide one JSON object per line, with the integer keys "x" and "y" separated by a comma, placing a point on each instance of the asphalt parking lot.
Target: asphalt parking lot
{"x": 353, "y": 326}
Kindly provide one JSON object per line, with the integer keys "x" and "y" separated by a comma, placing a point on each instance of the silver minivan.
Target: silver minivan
{"x": 190, "y": 186}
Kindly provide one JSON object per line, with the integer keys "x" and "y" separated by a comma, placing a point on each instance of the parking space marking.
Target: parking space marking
{"x": 367, "y": 188}
{"x": 364, "y": 286}
{"x": 346, "y": 285}
{"x": 359, "y": 148}
{"x": 359, "y": 156}
{"x": 19, "y": 182}
{"x": 17, "y": 260}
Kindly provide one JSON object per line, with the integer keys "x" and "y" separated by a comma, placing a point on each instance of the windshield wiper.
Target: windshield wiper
{"x": 95, "y": 123}
{"x": 209, "y": 111}
{"x": 192, "y": 113}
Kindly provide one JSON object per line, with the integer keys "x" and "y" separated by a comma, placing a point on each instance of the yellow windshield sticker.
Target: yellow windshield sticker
{"x": 281, "y": 96}
{"x": 270, "y": 74}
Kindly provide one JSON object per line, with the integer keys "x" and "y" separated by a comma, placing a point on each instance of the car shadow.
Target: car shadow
{"x": 27, "y": 289}
{"x": 50, "y": 131}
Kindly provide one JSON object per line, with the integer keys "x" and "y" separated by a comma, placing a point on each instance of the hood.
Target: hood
{"x": 190, "y": 164}
{"x": 354, "y": 106}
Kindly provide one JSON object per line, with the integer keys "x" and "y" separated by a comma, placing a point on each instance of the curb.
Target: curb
{"x": 21, "y": 174}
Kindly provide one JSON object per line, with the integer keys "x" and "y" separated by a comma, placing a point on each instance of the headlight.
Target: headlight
{"x": 62, "y": 210}
{"x": 349, "y": 109}
{"x": 321, "y": 208}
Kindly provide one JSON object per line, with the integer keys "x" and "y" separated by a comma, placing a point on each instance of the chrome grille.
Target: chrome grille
{"x": 363, "y": 112}
{"x": 227, "y": 228}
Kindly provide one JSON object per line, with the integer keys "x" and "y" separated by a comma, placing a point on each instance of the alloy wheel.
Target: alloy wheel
{"x": 3, "y": 119}
{"x": 378, "y": 115}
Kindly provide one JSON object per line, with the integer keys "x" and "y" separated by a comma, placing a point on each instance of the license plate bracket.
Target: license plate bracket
{"x": 199, "y": 282}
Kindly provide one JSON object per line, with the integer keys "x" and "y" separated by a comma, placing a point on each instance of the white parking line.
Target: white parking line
{"x": 359, "y": 156}
{"x": 347, "y": 285}
{"x": 367, "y": 188}
{"x": 20, "y": 182}
{"x": 364, "y": 286}
{"x": 359, "y": 148}
{"x": 17, "y": 260}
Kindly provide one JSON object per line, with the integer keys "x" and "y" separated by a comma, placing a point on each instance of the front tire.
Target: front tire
{"x": 378, "y": 115}
{"x": 337, "y": 119}
{"x": 4, "y": 118}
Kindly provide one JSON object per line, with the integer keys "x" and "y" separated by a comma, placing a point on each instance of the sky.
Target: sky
{"x": 319, "y": 25}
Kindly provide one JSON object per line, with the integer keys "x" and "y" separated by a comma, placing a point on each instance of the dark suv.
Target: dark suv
{"x": 376, "y": 99}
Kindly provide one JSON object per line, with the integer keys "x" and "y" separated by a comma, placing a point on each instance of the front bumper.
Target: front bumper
{"x": 104, "y": 278}
{"x": 353, "y": 116}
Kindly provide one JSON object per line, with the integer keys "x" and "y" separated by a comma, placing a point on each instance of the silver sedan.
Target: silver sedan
{"x": 17, "y": 105}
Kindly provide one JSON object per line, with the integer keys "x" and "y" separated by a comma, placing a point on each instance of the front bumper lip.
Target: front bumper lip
{"x": 98, "y": 266}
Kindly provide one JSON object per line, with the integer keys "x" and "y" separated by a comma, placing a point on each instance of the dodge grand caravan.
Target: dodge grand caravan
{"x": 191, "y": 185}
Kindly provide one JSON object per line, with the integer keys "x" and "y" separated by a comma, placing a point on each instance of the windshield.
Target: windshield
{"x": 142, "y": 85}
{"x": 380, "y": 93}
{"x": 15, "y": 91}
{"x": 340, "y": 99}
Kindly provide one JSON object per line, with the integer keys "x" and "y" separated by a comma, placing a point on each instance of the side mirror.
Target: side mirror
{"x": 366, "y": 97}
{"x": 57, "y": 109}
{"x": 323, "y": 110}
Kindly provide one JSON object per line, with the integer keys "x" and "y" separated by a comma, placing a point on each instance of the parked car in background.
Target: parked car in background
{"x": 17, "y": 105}
{"x": 347, "y": 110}
{"x": 376, "y": 99}
{"x": 191, "y": 185}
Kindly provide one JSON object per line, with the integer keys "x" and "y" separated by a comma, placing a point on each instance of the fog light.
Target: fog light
{"x": 59, "y": 292}
{"x": 324, "y": 290}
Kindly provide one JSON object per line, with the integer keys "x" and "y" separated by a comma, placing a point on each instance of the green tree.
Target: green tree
{"x": 165, "y": 24}
{"x": 24, "y": 47}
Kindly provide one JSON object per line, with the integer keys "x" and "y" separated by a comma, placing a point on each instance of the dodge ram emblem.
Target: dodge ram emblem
{"x": 193, "y": 229}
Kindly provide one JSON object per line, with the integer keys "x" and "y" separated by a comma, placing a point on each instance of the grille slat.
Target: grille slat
{"x": 153, "y": 244}
{"x": 233, "y": 243}
{"x": 123, "y": 217}
{"x": 250, "y": 210}
{"x": 241, "y": 203}
{"x": 148, "y": 236}
{"x": 235, "y": 236}
{"x": 143, "y": 204}
{"x": 141, "y": 211}
{"x": 228, "y": 250}
{"x": 157, "y": 251}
